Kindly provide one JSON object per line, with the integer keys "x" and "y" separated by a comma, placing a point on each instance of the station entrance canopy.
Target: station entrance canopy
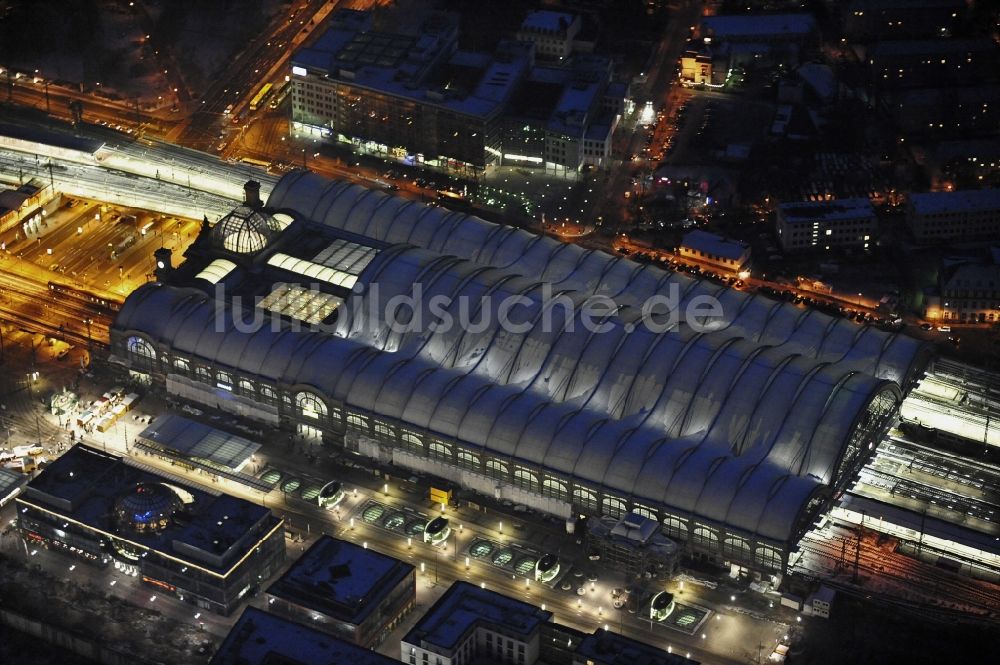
{"x": 186, "y": 441}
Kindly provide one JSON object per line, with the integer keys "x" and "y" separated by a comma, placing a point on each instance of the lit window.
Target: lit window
{"x": 310, "y": 405}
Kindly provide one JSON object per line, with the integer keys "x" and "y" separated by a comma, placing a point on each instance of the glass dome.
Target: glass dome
{"x": 147, "y": 507}
{"x": 245, "y": 231}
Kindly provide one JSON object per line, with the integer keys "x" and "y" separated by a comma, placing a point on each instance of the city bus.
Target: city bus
{"x": 259, "y": 98}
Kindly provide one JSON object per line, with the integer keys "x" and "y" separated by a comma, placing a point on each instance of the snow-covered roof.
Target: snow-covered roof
{"x": 548, "y": 21}
{"x": 808, "y": 212}
{"x": 741, "y": 423}
{"x": 742, "y": 26}
{"x": 716, "y": 245}
{"x": 972, "y": 200}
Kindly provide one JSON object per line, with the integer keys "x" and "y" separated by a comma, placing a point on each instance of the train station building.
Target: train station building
{"x": 734, "y": 433}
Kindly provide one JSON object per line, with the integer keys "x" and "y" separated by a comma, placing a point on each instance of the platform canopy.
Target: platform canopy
{"x": 196, "y": 440}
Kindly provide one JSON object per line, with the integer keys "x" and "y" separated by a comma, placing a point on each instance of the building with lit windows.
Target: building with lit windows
{"x": 419, "y": 99}
{"x": 822, "y": 225}
{"x": 734, "y": 437}
{"x": 932, "y": 62}
{"x": 944, "y": 110}
{"x": 696, "y": 64}
{"x": 346, "y": 590}
{"x": 206, "y": 548}
{"x": 732, "y": 256}
{"x": 968, "y": 291}
{"x": 954, "y": 216}
{"x": 864, "y": 20}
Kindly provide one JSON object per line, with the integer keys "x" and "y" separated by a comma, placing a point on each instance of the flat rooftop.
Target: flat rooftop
{"x": 974, "y": 200}
{"x": 464, "y": 606}
{"x": 742, "y": 26}
{"x": 907, "y": 4}
{"x": 547, "y": 20}
{"x": 212, "y": 530}
{"x": 407, "y": 66}
{"x": 194, "y": 439}
{"x": 10, "y": 482}
{"x": 607, "y": 648}
{"x": 808, "y": 212}
{"x": 908, "y": 47}
{"x": 258, "y": 638}
{"x": 340, "y": 579}
{"x": 50, "y": 138}
{"x": 714, "y": 244}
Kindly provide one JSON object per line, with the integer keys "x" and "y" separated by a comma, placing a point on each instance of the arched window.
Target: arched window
{"x": 705, "y": 538}
{"x": 737, "y": 549}
{"x": 496, "y": 468}
{"x": 468, "y": 459}
{"x": 412, "y": 442}
{"x": 440, "y": 451}
{"x": 585, "y": 498}
{"x": 267, "y": 394}
{"x": 141, "y": 348}
{"x": 613, "y": 507}
{"x": 526, "y": 479}
{"x": 675, "y": 527}
{"x": 310, "y": 405}
{"x": 645, "y": 512}
{"x": 358, "y": 422}
{"x": 202, "y": 374}
{"x": 246, "y": 387}
{"x": 554, "y": 488}
{"x": 769, "y": 557}
{"x": 181, "y": 364}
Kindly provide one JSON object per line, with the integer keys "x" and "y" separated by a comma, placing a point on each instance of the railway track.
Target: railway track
{"x": 29, "y": 305}
{"x": 922, "y": 582}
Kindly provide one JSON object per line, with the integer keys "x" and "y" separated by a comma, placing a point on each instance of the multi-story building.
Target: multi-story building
{"x": 696, "y": 64}
{"x": 415, "y": 97}
{"x": 945, "y": 110}
{"x": 347, "y": 590}
{"x": 421, "y": 100}
{"x": 865, "y": 20}
{"x": 469, "y": 624}
{"x": 932, "y": 62}
{"x": 968, "y": 292}
{"x": 719, "y": 252}
{"x": 821, "y": 225}
{"x": 564, "y": 117}
{"x": 604, "y": 647}
{"x": 959, "y": 216}
{"x": 551, "y": 32}
{"x": 210, "y": 550}
{"x": 759, "y": 28}
{"x": 756, "y": 41}
{"x": 261, "y": 638}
